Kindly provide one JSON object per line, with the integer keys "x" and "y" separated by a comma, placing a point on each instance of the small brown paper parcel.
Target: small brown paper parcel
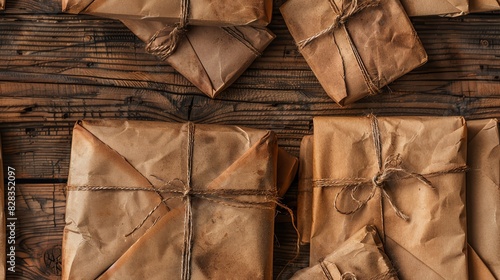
{"x": 359, "y": 257}
{"x": 354, "y": 47}
{"x": 211, "y": 58}
{"x": 153, "y": 200}
{"x": 405, "y": 176}
{"x": 483, "y": 199}
{"x": 192, "y": 12}
{"x": 436, "y": 7}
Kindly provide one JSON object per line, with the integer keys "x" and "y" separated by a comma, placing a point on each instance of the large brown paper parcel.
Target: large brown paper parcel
{"x": 199, "y": 12}
{"x": 436, "y": 7}
{"x": 211, "y": 58}
{"x": 483, "y": 199}
{"x": 405, "y": 175}
{"x": 354, "y": 48}
{"x": 195, "y": 211}
{"x": 359, "y": 257}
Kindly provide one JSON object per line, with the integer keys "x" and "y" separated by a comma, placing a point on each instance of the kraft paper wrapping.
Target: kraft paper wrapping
{"x": 437, "y": 7}
{"x": 418, "y": 170}
{"x": 483, "y": 5}
{"x": 359, "y": 257}
{"x": 211, "y": 58}
{"x": 200, "y": 12}
{"x": 287, "y": 170}
{"x": 354, "y": 51}
{"x": 304, "y": 196}
{"x": 483, "y": 199}
{"x": 224, "y": 199}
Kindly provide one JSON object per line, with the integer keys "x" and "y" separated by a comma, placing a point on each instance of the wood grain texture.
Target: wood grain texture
{"x": 57, "y": 68}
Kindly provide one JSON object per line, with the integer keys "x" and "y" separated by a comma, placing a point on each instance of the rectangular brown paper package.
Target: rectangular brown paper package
{"x": 404, "y": 175}
{"x": 153, "y": 200}
{"x": 483, "y": 199}
{"x": 355, "y": 48}
{"x": 199, "y": 12}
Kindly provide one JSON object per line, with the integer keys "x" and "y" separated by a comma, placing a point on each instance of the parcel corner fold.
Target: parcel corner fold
{"x": 422, "y": 162}
{"x": 210, "y": 57}
{"x": 354, "y": 48}
{"x": 129, "y": 186}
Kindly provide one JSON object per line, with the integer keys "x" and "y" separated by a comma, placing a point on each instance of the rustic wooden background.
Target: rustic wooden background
{"x": 57, "y": 68}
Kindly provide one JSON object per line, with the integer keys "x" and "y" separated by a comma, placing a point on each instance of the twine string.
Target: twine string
{"x": 168, "y": 47}
{"x": 388, "y": 169}
{"x": 348, "y": 9}
{"x": 177, "y": 188}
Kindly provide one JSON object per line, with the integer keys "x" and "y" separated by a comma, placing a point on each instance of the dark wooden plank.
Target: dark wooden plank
{"x": 39, "y": 225}
{"x": 57, "y": 68}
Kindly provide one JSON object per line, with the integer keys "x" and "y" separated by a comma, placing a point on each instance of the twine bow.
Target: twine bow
{"x": 178, "y": 188}
{"x": 167, "y": 48}
{"x": 392, "y": 166}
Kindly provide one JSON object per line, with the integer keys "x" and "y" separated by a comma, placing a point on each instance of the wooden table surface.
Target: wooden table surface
{"x": 57, "y": 68}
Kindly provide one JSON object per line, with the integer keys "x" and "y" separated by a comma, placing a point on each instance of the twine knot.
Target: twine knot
{"x": 346, "y": 11}
{"x": 388, "y": 168}
{"x": 165, "y": 49}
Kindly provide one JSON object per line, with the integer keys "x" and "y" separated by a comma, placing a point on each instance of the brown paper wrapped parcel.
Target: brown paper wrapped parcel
{"x": 199, "y": 12}
{"x": 483, "y": 199}
{"x": 359, "y": 257}
{"x": 354, "y": 48}
{"x": 437, "y": 7}
{"x": 406, "y": 176}
{"x": 152, "y": 200}
{"x": 211, "y": 58}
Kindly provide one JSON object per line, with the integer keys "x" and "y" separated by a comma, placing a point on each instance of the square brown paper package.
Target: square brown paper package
{"x": 437, "y": 7}
{"x": 483, "y": 199}
{"x": 149, "y": 200}
{"x": 359, "y": 257}
{"x": 197, "y": 12}
{"x": 211, "y": 58}
{"x": 405, "y": 175}
{"x": 354, "y": 48}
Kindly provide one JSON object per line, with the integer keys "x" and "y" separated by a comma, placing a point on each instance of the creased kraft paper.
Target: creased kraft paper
{"x": 421, "y": 176}
{"x": 436, "y": 7}
{"x": 114, "y": 233}
{"x": 359, "y": 257}
{"x": 483, "y": 199}
{"x": 211, "y": 58}
{"x": 200, "y": 12}
{"x": 354, "y": 55}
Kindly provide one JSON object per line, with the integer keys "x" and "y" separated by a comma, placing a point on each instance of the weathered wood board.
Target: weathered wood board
{"x": 57, "y": 68}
